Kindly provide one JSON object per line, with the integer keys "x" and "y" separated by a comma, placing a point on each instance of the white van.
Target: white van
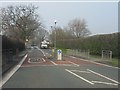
{"x": 44, "y": 45}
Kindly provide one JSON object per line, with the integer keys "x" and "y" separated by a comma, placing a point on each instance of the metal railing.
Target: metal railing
{"x": 78, "y": 53}
{"x": 86, "y": 54}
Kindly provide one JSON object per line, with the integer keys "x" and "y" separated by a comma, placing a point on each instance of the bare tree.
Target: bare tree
{"x": 0, "y": 21}
{"x": 20, "y": 21}
{"x": 39, "y": 35}
{"x": 78, "y": 28}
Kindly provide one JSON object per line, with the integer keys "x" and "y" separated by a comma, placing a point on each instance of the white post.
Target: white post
{"x": 102, "y": 54}
{"x": 88, "y": 53}
{"x": 59, "y": 52}
{"x": 110, "y": 55}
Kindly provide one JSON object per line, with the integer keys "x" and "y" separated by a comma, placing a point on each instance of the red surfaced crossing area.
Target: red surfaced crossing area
{"x": 46, "y": 61}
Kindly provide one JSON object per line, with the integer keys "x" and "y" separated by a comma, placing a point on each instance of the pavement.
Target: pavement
{"x": 15, "y": 60}
{"x": 38, "y": 71}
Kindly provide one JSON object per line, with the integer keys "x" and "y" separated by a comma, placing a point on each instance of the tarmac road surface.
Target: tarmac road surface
{"x": 38, "y": 71}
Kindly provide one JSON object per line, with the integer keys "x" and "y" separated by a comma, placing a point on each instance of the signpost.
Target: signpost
{"x": 59, "y": 54}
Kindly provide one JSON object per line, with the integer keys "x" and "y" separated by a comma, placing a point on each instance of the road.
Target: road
{"x": 38, "y": 71}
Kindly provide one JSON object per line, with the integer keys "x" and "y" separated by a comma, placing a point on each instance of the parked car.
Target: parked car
{"x": 33, "y": 46}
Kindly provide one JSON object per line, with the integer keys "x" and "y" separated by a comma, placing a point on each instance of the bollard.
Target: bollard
{"x": 59, "y": 54}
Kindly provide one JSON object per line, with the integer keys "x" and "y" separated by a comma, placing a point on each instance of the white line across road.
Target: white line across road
{"x": 103, "y": 76}
{"x": 80, "y": 77}
{"x": 47, "y": 65}
{"x": 74, "y": 63}
{"x": 80, "y": 71}
{"x": 9, "y": 74}
{"x": 99, "y": 82}
{"x": 43, "y": 59}
{"x": 53, "y": 63}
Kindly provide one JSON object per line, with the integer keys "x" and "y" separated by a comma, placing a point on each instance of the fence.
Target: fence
{"x": 78, "y": 53}
{"x": 86, "y": 54}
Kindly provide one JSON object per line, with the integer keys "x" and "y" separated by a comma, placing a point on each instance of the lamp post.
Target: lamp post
{"x": 54, "y": 39}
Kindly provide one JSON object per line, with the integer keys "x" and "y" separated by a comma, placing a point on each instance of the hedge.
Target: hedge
{"x": 95, "y": 43}
{"x": 12, "y": 44}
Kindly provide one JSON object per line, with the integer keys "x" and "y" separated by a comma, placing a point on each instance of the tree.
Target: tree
{"x": 78, "y": 28}
{"x": 20, "y": 21}
{"x": 39, "y": 35}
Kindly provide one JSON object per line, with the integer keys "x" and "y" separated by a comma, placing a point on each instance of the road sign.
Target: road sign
{"x": 59, "y": 54}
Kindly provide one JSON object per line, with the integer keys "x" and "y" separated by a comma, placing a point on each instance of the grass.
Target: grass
{"x": 115, "y": 62}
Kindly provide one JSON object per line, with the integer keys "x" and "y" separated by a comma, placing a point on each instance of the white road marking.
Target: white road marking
{"x": 63, "y": 64}
{"x": 41, "y": 51}
{"x": 9, "y": 75}
{"x": 80, "y": 71}
{"x": 103, "y": 76}
{"x": 47, "y": 65}
{"x": 105, "y": 83}
{"x": 74, "y": 63}
{"x": 35, "y": 62}
{"x": 29, "y": 60}
{"x": 95, "y": 62}
{"x": 36, "y": 65}
{"x": 79, "y": 77}
{"x": 67, "y": 65}
{"x": 53, "y": 63}
{"x": 43, "y": 59}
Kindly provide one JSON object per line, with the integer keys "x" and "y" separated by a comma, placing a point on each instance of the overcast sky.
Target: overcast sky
{"x": 101, "y": 17}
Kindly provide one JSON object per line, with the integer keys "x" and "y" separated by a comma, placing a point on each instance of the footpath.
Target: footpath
{"x": 16, "y": 59}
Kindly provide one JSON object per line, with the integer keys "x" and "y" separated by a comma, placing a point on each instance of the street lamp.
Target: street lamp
{"x": 55, "y": 22}
{"x": 54, "y": 39}
{"x": 55, "y": 36}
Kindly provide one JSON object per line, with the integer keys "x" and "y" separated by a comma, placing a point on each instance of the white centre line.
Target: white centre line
{"x": 74, "y": 63}
{"x": 79, "y": 77}
{"x": 53, "y": 63}
{"x": 103, "y": 76}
